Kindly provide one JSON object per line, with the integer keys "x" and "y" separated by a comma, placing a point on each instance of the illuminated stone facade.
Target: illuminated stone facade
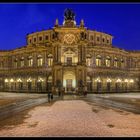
{"x": 71, "y": 57}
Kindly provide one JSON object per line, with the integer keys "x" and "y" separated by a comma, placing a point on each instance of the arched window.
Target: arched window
{"x": 115, "y": 62}
{"x": 108, "y": 61}
{"x": 22, "y": 62}
{"x": 98, "y": 60}
{"x": 39, "y": 60}
{"x": 30, "y": 61}
{"x": 50, "y": 60}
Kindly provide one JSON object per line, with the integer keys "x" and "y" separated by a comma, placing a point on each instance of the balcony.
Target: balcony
{"x": 69, "y": 64}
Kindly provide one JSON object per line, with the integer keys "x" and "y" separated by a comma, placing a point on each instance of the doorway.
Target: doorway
{"x": 69, "y": 81}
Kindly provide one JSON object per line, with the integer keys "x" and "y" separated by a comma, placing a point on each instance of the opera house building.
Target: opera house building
{"x": 71, "y": 57}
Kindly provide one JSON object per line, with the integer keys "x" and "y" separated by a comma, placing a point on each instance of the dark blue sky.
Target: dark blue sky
{"x": 120, "y": 20}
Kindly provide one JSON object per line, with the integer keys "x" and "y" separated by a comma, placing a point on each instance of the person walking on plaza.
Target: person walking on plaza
{"x": 85, "y": 91}
{"x": 49, "y": 96}
{"x": 62, "y": 92}
{"x": 59, "y": 93}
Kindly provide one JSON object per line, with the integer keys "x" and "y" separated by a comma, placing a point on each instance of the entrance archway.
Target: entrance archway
{"x": 69, "y": 81}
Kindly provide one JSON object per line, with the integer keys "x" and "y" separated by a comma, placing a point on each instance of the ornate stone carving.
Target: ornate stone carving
{"x": 69, "y": 38}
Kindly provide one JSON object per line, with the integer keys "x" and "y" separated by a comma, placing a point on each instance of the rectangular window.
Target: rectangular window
{"x": 98, "y": 62}
{"x": 46, "y": 37}
{"x": 30, "y": 40}
{"x": 15, "y": 64}
{"x": 98, "y": 39}
{"x": 22, "y": 63}
{"x": 91, "y": 37}
{"x": 34, "y": 39}
{"x": 40, "y": 38}
{"x": 115, "y": 63}
{"x": 69, "y": 60}
{"x": 50, "y": 61}
{"x": 39, "y": 61}
{"x": 30, "y": 62}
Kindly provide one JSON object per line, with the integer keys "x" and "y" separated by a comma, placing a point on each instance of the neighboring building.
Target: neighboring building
{"x": 72, "y": 57}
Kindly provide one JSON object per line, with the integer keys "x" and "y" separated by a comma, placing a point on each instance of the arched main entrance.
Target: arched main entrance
{"x": 69, "y": 81}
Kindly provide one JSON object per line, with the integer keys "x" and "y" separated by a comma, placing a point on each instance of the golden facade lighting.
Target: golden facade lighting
{"x": 119, "y": 80}
{"x": 109, "y": 80}
{"x": 6, "y": 80}
{"x": 11, "y": 80}
{"x": 131, "y": 81}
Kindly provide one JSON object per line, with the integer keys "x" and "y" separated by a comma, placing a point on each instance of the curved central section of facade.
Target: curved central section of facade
{"x": 69, "y": 56}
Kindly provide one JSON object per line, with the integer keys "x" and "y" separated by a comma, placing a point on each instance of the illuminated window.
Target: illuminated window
{"x": 108, "y": 61}
{"x": 39, "y": 61}
{"x": 88, "y": 61}
{"x": 115, "y": 62}
{"x": 30, "y": 61}
{"x": 50, "y": 60}
{"x": 22, "y": 62}
{"x": 98, "y": 60}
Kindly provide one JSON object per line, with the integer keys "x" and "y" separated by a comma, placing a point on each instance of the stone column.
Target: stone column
{"x": 59, "y": 54}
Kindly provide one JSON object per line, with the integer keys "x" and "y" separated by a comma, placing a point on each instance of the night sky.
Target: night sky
{"x": 120, "y": 20}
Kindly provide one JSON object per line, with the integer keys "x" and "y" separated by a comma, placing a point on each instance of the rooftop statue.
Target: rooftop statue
{"x": 69, "y": 14}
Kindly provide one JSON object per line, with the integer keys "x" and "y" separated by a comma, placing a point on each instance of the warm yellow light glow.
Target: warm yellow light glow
{"x": 40, "y": 80}
{"x": 19, "y": 80}
{"x": 6, "y": 80}
{"x": 131, "y": 81}
{"x": 64, "y": 83}
{"x": 73, "y": 83}
{"x": 29, "y": 80}
{"x": 109, "y": 80}
{"x": 97, "y": 80}
{"x": 11, "y": 80}
{"x": 126, "y": 80}
{"x": 118, "y": 80}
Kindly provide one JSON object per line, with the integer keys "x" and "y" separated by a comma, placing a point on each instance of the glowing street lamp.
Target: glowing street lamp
{"x": 109, "y": 80}
{"x": 118, "y": 80}
{"x": 131, "y": 81}
{"x": 29, "y": 80}
{"x": 19, "y": 80}
{"x": 98, "y": 80}
{"x": 40, "y": 80}
{"x": 6, "y": 80}
{"x": 11, "y": 80}
{"x": 126, "y": 80}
